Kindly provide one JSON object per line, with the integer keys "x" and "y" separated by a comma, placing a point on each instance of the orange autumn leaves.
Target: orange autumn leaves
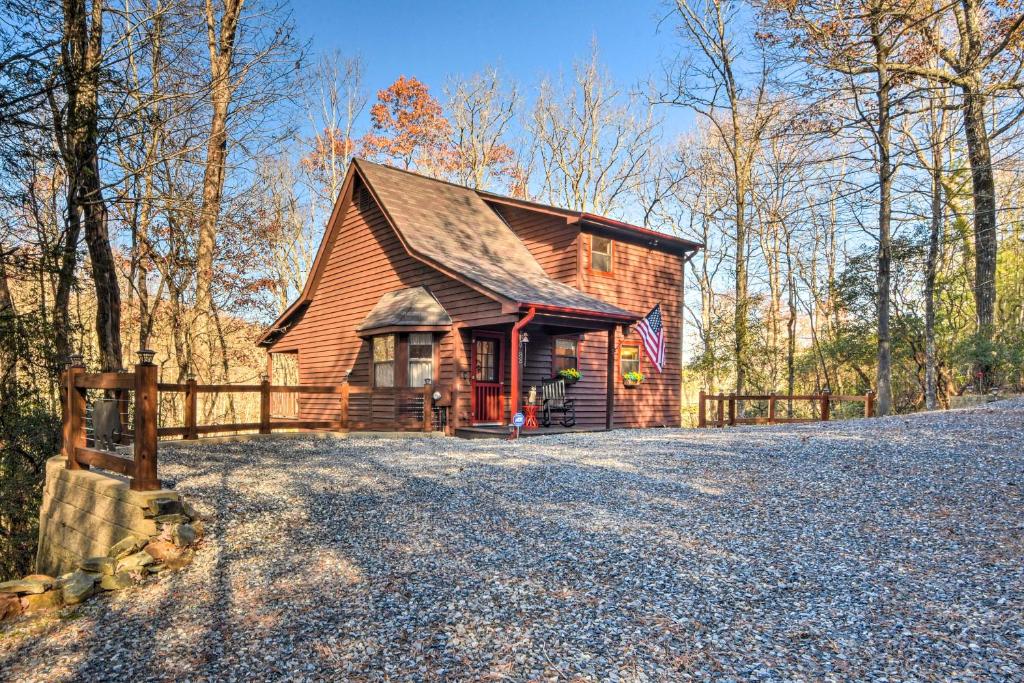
{"x": 409, "y": 129}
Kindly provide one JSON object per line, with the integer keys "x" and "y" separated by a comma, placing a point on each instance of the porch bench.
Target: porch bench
{"x": 555, "y": 401}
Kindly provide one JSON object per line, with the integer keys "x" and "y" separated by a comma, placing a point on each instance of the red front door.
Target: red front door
{"x": 486, "y": 383}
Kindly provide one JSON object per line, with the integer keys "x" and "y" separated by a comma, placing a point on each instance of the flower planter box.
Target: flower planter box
{"x": 631, "y": 383}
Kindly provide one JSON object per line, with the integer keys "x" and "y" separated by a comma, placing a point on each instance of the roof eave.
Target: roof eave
{"x": 397, "y": 329}
{"x": 658, "y": 239}
{"x": 624, "y": 317}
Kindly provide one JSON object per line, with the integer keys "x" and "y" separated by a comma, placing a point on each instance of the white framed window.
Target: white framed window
{"x": 384, "y": 360}
{"x": 421, "y": 358}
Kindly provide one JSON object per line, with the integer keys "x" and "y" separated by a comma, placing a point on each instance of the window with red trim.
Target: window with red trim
{"x": 629, "y": 358}
{"x": 601, "y": 254}
{"x": 565, "y": 354}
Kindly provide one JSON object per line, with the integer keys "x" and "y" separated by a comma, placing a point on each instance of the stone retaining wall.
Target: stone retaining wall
{"x": 84, "y": 513}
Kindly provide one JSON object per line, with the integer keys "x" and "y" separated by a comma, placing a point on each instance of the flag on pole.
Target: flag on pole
{"x": 652, "y": 332}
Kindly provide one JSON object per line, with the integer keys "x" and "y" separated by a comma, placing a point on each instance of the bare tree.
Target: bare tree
{"x": 591, "y": 141}
{"x": 481, "y": 112}
{"x": 78, "y": 137}
{"x": 334, "y": 112}
{"x": 711, "y": 82}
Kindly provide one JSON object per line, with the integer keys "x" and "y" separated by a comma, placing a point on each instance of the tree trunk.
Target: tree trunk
{"x": 984, "y": 191}
{"x": 742, "y": 305}
{"x": 82, "y": 50}
{"x": 221, "y": 48}
{"x": 885, "y": 172}
{"x": 930, "y": 397}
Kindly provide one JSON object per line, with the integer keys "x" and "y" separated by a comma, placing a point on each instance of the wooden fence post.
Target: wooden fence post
{"x": 869, "y": 404}
{"x": 732, "y": 409}
{"x": 720, "y": 422}
{"x": 771, "y": 408}
{"x": 74, "y": 414}
{"x": 190, "y": 408}
{"x": 428, "y": 406}
{"x": 343, "y": 404}
{"x": 145, "y": 478}
{"x": 825, "y": 405}
{"x": 702, "y": 417}
{"x": 265, "y": 404}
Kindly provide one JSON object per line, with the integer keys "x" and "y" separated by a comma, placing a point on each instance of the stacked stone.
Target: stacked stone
{"x": 127, "y": 563}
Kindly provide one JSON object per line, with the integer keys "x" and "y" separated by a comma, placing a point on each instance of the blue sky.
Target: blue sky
{"x": 527, "y": 40}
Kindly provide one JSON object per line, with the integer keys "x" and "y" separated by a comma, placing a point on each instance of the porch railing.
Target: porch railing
{"x": 723, "y": 408}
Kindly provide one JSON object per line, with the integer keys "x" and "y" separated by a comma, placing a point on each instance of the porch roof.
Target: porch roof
{"x": 412, "y": 309}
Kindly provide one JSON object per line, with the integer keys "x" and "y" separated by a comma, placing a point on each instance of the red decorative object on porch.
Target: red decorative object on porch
{"x": 530, "y": 413}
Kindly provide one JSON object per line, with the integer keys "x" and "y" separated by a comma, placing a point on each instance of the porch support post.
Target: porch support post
{"x": 609, "y": 419}
{"x": 514, "y": 356}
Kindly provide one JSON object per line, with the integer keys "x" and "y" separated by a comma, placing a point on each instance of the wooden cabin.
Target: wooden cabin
{"x": 418, "y": 279}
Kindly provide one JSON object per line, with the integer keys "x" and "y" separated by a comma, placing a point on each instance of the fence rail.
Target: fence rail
{"x": 364, "y": 408}
{"x": 385, "y": 408}
{"x": 723, "y": 406}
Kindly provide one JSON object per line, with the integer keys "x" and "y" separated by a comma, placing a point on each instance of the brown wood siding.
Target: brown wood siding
{"x": 549, "y": 238}
{"x": 365, "y": 261}
{"x": 641, "y": 278}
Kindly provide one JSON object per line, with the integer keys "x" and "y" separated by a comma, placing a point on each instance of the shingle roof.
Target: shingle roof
{"x": 455, "y": 229}
{"x": 412, "y": 307}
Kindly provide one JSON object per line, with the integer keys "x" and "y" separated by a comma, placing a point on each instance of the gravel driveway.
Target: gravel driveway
{"x": 888, "y": 548}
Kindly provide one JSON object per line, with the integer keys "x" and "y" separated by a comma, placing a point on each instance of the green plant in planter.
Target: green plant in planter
{"x": 633, "y": 378}
{"x": 570, "y": 375}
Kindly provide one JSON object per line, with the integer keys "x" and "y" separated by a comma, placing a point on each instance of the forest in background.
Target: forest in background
{"x": 167, "y": 168}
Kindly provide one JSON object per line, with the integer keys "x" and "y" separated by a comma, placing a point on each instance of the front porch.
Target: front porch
{"x": 508, "y": 365}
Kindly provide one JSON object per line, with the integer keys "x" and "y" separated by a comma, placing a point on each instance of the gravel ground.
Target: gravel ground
{"x": 883, "y": 549}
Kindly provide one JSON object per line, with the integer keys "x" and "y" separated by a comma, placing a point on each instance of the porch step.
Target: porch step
{"x": 502, "y": 432}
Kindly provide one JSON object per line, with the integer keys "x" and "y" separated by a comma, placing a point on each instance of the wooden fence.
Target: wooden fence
{"x": 724, "y": 408}
{"x": 382, "y": 409}
{"x": 387, "y": 408}
{"x": 141, "y": 468}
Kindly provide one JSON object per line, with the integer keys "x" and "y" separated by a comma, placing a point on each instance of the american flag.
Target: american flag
{"x": 653, "y": 333}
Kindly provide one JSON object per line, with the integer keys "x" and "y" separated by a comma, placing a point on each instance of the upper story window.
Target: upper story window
{"x": 600, "y": 254}
{"x": 629, "y": 358}
{"x": 384, "y": 360}
{"x": 566, "y": 354}
{"x": 421, "y": 358}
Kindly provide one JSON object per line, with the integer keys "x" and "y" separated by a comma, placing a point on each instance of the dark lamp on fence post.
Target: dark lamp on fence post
{"x": 146, "y": 356}
{"x": 76, "y": 360}
{"x": 265, "y": 377}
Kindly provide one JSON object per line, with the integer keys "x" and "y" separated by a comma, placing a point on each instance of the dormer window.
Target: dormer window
{"x": 600, "y": 254}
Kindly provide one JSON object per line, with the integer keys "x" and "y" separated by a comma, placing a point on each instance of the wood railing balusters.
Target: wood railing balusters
{"x": 428, "y": 404}
{"x": 728, "y": 405}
